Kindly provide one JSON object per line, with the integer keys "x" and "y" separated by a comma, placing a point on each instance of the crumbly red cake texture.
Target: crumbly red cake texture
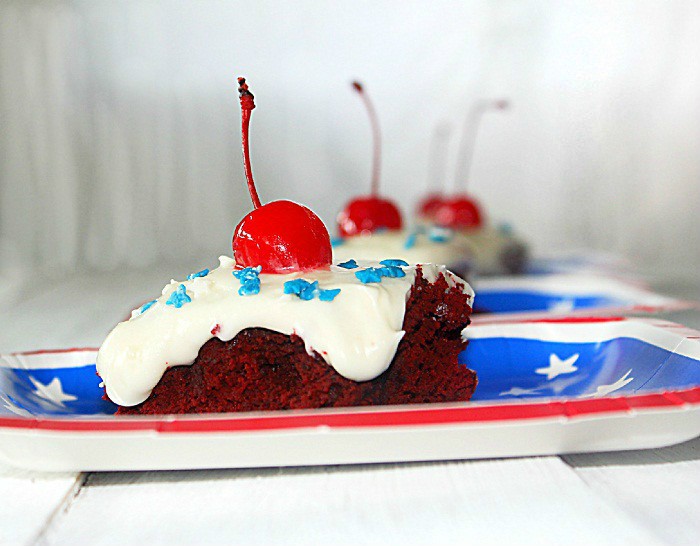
{"x": 264, "y": 370}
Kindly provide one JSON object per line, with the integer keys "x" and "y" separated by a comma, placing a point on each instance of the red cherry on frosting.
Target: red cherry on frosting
{"x": 367, "y": 214}
{"x": 280, "y": 236}
{"x": 429, "y": 204}
{"x": 459, "y": 212}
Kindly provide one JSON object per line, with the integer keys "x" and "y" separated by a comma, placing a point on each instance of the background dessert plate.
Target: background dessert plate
{"x": 545, "y": 386}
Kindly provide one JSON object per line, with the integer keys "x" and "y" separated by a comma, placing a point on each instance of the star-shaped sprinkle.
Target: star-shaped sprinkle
{"x": 250, "y": 281}
{"x": 350, "y": 264}
{"x": 603, "y": 390}
{"x": 369, "y": 275}
{"x": 518, "y": 391}
{"x": 557, "y": 366}
{"x": 410, "y": 241}
{"x": 309, "y": 291}
{"x": 337, "y": 241}
{"x": 439, "y": 235}
{"x": 296, "y": 286}
{"x": 202, "y": 273}
{"x": 391, "y": 271}
{"x": 394, "y": 263}
{"x": 328, "y": 295}
{"x": 247, "y": 273}
{"x": 179, "y": 298}
{"x": 52, "y": 392}
{"x": 306, "y": 290}
{"x": 146, "y": 306}
{"x": 249, "y": 287}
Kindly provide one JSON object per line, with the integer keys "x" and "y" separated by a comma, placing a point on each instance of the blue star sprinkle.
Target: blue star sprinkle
{"x": 439, "y": 235}
{"x": 250, "y": 281}
{"x": 350, "y": 264}
{"x": 371, "y": 274}
{"x": 337, "y": 241}
{"x": 306, "y": 290}
{"x": 146, "y": 306}
{"x": 328, "y": 295}
{"x": 301, "y": 288}
{"x": 309, "y": 291}
{"x": 410, "y": 240}
{"x": 179, "y": 298}
{"x": 247, "y": 273}
{"x": 391, "y": 271}
{"x": 249, "y": 287}
{"x": 296, "y": 286}
{"x": 202, "y": 273}
{"x": 394, "y": 263}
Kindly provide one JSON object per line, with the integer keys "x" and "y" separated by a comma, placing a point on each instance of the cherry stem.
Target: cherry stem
{"x": 247, "y": 105}
{"x": 470, "y": 132}
{"x": 376, "y": 137}
{"x": 437, "y": 158}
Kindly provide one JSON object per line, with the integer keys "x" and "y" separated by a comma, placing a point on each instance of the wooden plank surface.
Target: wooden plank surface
{"x": 532, "y": 501}
{"x": 658, "y": 488}
{"x": 28, "y": 501}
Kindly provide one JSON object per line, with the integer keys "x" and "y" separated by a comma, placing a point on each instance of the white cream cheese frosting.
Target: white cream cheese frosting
{"x": 423, "y": 244}
{"x": 357, "y": 332}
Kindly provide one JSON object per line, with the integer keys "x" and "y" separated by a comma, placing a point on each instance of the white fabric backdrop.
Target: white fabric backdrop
{"x": 120, "y": 126}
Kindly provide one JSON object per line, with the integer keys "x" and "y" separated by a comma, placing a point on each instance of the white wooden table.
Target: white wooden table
{"x": 638, "y": 497}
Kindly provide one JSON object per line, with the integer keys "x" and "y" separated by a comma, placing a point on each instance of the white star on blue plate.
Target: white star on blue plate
{"x": 518, "y": 391}
{"x": 52, "y": 392}
{"x": 603, "y": 390}
{"x": 14, "y": 408}
{"x": 563, "y": 306}
{"x": 557, "y": 366}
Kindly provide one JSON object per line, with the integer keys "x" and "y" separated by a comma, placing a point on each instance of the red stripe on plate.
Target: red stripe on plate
{"x": 54, "y": 351}
{"x": 380, "y": 417}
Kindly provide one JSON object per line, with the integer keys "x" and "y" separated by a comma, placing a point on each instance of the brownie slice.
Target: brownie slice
{"x": 264, "y": 370}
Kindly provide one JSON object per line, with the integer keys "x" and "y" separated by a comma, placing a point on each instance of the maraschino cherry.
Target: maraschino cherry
{"x": 462, "y": 211}
{"x": 280, "y": 236}
{"x": 367, "y": 214}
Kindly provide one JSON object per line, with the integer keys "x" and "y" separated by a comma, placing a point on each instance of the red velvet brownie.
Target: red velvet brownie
{"x": 264, "y": 370}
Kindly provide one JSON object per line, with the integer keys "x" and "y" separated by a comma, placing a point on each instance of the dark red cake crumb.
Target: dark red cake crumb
{"x": 264, "y": 370}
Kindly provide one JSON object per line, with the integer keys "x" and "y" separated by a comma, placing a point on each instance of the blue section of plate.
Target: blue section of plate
{"x": 508, "y": 301}
{"x": 517, "y": 368}
{"x": 518, "y": 360}
{"x": 568, "y": 284}
{"x": 56, "y": 391}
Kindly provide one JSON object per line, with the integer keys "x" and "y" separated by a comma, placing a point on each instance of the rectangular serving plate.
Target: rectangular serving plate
{"x": 568, "y": 293}
{"x": 547, "y": 386}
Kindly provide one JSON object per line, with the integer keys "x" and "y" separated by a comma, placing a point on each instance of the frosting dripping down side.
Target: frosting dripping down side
{"x": 356, "y": 329}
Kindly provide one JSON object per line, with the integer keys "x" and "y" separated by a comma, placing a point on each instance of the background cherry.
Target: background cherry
{"x": 280, "y": 236}
{"x": 368, "y": 214}
{"x": 429, "y": 204}
{"x": 461, "y": 210}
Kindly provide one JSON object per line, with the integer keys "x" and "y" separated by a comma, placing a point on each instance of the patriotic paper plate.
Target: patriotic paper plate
{"x": 545, "y": 387}
{"x": 577, "y": 282}
{"x": 567, "y": 293}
